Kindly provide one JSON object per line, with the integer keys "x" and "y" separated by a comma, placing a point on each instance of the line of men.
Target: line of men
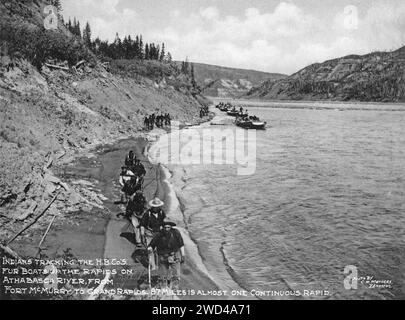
{"x": 152, "y": 228}
{"x": 157, "y": 120}
{"x": 204, "y": 111}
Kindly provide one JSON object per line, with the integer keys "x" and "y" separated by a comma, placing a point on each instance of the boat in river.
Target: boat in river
{"x": 233, "y": 113}
{"x": 223, "y": 108}
{"x": 258, "y": 125}
{"x": 247, "y": 123}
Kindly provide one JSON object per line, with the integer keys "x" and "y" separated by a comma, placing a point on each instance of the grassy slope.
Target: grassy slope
{"x": 377, "y": 76}
{"x": 59, "y": 112}
{"x": 234, "y": 81}
{"x": 205, "y": 71}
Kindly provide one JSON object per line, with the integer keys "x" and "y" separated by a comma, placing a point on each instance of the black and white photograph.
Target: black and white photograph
{"x": 223, "y": 152}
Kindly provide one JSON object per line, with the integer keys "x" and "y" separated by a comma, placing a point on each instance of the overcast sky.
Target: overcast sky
{"x": 267, "y": 35}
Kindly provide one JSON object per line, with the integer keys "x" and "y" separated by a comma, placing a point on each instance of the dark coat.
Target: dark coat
{"x": 167, "y": 242}
{"x": 150, "y": 222}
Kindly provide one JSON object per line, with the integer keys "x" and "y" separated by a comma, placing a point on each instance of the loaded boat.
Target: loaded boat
{"x": 247, "y": 123}
{"x": 233, "y": 113}
{"x": 242, "y": 119}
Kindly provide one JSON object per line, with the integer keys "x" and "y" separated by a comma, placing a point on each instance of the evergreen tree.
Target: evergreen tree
{"x": 185, "y": 67}
{"x": 78, "y": 30}
{"x": 69, "y": 25}
{"x": 169, "y": 58}
{"x": 146, "y": 52}
{"x": 125, "y": 46}
{"x": 96, "y": 45}
{"x": 141, "y": 48}
{"x": 117, "y": 47}
{"x": 137, "y": 47}
{"x": 157, "y": 53}
{"x": 87, "y": 35}
{"x": 162, "y": 53}
{"x": 193, "y": 82}
{"x": 74, "y": 25}
{"x": 57, "y": 4}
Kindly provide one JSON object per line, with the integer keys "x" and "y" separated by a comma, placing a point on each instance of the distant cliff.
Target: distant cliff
{"x": 216, "y": 81}
{"x": 378, "y": 76}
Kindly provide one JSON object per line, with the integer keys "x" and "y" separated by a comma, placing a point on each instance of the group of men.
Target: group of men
{"x": 157, "y": 120}
{"x": 131, "y": 177}
{"x": 152, "y": 228}
{"x": 204, "y": 111}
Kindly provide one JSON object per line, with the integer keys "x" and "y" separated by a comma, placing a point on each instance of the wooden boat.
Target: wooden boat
{"x": 249, "y": 124}
{"x": 224, "y": 109}
{"x": 233, "y": 113}
{"x": 258, "y": 125}
{"x": 245, "y": 124}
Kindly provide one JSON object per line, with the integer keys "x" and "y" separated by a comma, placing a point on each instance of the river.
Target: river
{"x": 327, "y": 193}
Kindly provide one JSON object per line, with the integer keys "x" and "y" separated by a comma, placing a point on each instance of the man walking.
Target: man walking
{"x": 125, "y": 180}
{"x": 170, "y": 250}
{"x": 134, "y": 213}
{"x": 151, "y": 224}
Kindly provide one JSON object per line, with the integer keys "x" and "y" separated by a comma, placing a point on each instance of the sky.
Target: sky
{"x": 266, "y": 35}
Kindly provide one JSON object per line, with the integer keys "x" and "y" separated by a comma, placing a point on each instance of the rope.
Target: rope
{"x": 45, "y": 234}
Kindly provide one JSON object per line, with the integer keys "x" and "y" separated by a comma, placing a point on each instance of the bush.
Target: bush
{"x": 36, "y": 44}
{"x": 146, "y": 68}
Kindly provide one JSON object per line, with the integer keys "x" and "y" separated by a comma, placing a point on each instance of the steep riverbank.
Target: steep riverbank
{"x": 97, "y": 233}
{"x": 119, "y": 241}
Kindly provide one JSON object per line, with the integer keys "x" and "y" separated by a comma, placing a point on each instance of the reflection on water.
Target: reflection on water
{"x": 328, "y": 192}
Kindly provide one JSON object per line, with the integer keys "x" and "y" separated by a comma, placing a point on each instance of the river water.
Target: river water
{"x": 328, "y": 192}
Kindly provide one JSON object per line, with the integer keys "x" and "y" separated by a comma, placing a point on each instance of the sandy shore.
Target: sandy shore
{"x": 119, "y": 236}
{"x": 100, "y": 233}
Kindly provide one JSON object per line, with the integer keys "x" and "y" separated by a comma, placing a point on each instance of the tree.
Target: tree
{"x": 57, "y": 4}
{"x": 141, "y": 49}
{"x": 169, "y": 58}
{"x": 185, "y": 67}
{"x": 76, "y": 28}
{"x": 87, "y": 35}
{"x": 193, "y": 82}
{"x": 69, "y": 25}
{"x": 117, "y": 47}
{"x": 162, "y": 53}
{"x": 146, "y": 52}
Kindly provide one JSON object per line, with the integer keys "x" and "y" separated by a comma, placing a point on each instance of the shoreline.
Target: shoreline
{"x": 176, "y": 210}
{"x": 316, "y": 104}
{"x": 195, "y": 276}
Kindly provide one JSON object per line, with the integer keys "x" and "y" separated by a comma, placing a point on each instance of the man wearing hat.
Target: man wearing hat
{"x": 170, "y": 250}
{"x": 151, "y": 224}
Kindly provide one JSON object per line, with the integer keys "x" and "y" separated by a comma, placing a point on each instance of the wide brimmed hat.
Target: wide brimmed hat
{"x": 156, "y": 203}
{"x": 169, "y": 223}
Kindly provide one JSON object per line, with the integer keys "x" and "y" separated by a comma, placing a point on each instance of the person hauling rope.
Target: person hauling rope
{"x": 130, "y": 160}
{"x": 169, "y": 246}
{"x": 151, "y": 224}
{"x": 139, "y": 170}
{"x": 125, "y": 180}
{"x": 134, "y": 213}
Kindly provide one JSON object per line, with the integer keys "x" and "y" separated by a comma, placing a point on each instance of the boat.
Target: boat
{"x": 258, "y": 125}
{"x": 224, "y": 109}
{"x": 243, "y": 123}
{"x": 246, "y": 123}
{"x": 233, "y": 113}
